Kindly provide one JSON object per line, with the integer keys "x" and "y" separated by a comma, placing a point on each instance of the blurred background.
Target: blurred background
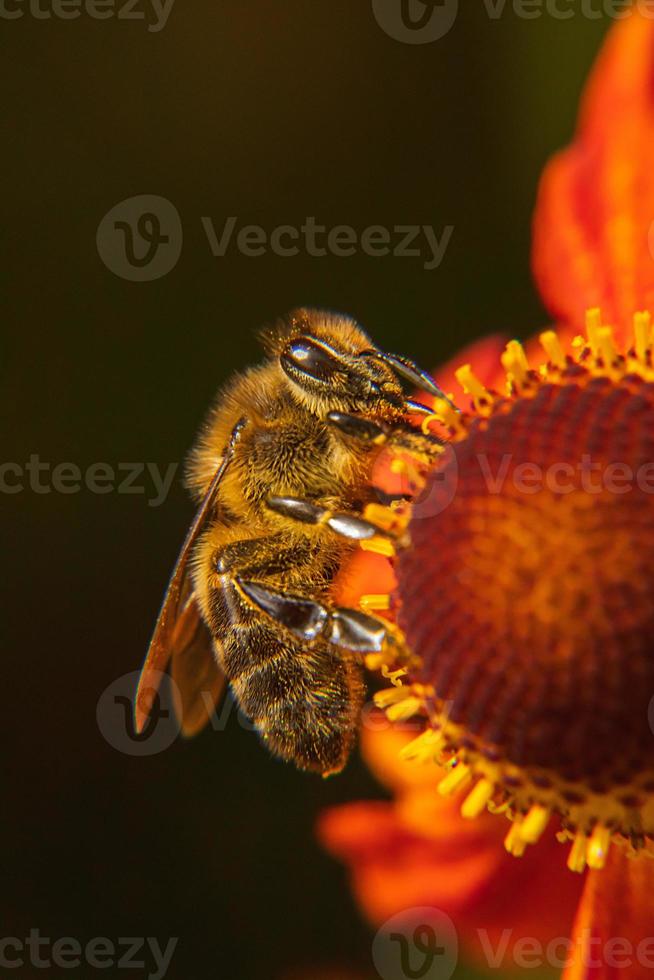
{"x": 270, "y": 113}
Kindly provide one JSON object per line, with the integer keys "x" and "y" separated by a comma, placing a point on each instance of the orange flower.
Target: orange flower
{"x": 526, "y": 593}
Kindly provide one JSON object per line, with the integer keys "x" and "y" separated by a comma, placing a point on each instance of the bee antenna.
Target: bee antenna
{"x": 410, "y": 372}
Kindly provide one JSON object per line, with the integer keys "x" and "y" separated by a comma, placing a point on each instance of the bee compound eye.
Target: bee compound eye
{"x": 311, "y": 359}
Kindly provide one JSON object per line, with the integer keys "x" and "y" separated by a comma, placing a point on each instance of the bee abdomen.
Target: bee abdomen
{"x": 305, "y": 701}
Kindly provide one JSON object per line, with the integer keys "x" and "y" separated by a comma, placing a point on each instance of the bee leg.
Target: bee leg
{"x": 359, "y": 428}
{"x": 346, "y": 525}
{"x": 308, "y": 619}
{"x": 402, "y": 435}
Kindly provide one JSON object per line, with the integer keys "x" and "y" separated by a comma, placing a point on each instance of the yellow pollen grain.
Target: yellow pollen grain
{"x": 455, "y": 779}
{"x": 532, "y": 827}
{"x": 577, "y": 856}
{"x": 642, "y": 334}
{"x": 598, "y": 847}
{"x": 552, "y": 347}
{"x": 514, "y": 842}
{"x": 378, "y": 546}
{"x": 476, "y": 801}
{"x": 593, "y": 325}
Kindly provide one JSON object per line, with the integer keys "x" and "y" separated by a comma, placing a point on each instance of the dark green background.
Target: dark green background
{"x": 269, "y": 110}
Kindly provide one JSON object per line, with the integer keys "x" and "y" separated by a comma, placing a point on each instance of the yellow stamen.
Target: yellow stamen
{"x": 390, "y": 695}
{"x": 394, "y": 675}
{"x": 593, "y": 324}
{"x": 375, "y": 602}
{"x": 442, "y": 412}
{"x": 455, "y": 779}
{"x": 473, "y": 386}
{"x": 405, "y": 709}
{"x": 514, "y": 842}
{"x": 642, "y": 337}
{"x": 384, "y": 517}
{"x": 577, "y": 855}
{"x": 532, "y": 827}
{"x": 379, "y": 546}
{"x": 606, "y": 346}
{"x": 598, "y": 847}
{"x": 425, "y": 425}
{"x": 552, "y": 347}
{"x": 424, "y": 748}
{"x": 475, "y": 802}
{"x": 514, "y": 362}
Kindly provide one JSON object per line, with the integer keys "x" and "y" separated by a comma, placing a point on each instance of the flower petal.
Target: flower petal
{"x": 419, "y": 851}
{"x": 596, "y": 201}
{"x": 614, "y": 929}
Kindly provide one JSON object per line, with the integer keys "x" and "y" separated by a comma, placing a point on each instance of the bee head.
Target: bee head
{"x": 332, "y": 365}
{"x": 327, "y": 377}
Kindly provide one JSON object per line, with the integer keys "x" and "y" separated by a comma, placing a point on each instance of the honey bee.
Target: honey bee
{"x": 282, "y": 473}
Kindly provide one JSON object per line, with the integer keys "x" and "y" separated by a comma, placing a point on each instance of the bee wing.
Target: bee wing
{"x": 178, "y": 616}
{"x": 198, "y": 680}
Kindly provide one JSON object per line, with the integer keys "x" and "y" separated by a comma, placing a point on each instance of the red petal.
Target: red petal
{"x": 419, "y": 851}
{"x": 614, "y": 931}
{"x": 596, "y": 200}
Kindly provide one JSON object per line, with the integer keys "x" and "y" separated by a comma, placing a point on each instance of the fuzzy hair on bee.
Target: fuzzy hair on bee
{"x": 282, "y": 473}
